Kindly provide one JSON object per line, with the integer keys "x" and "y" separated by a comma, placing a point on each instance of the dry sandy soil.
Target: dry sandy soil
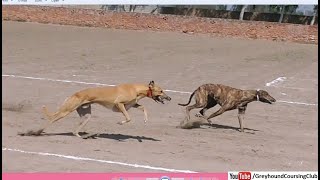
{"x": 282, "y": 136}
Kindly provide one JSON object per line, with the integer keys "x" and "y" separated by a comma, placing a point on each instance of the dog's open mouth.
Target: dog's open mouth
{"x": 268, "y": 101}
{"x": 160, "y": 99}
{"x": 271, "y": 101}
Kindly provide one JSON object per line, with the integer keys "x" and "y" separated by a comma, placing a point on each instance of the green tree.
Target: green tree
{"x": 315, "y": 13}
{"x": 243, "y": 8}
{"x": 236, "y": 7}
{"x": 240, "y": 8}
{"x": 282, "y": 9}
{"x": 221, "y": 7}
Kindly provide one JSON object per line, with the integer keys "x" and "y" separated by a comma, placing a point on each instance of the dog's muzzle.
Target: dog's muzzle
{"x": 269, "y": 100}
{"x": 272, "y": 101}
{"x": 161, "y": 98}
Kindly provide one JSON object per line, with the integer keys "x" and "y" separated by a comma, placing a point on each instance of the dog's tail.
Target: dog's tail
{"x": 189, "y": 100}
{"x": 69, "y": 105}
{"x": 46, "y": 112}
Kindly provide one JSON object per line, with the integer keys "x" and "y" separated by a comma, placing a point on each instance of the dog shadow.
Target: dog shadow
{"x": 200, "y": 125}
{"x": 117, "y": 137}
{"x": 218, "y": 126}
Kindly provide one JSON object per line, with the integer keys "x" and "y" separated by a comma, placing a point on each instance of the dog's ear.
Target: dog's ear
{"x": 151, "y": 84}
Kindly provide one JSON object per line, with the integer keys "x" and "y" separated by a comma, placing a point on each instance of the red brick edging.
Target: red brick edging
{"x": 139, "y": 21}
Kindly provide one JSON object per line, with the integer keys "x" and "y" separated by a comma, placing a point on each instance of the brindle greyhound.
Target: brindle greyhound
{"x": 209, "y": 95}
{"x": 118, "y": 98}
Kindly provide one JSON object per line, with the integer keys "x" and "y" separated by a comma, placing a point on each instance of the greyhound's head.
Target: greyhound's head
{"x": 156, "y": 93}
{"x": 265, "y": 97}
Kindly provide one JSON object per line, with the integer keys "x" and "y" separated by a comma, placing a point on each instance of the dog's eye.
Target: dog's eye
{"x": 161, "y": 91}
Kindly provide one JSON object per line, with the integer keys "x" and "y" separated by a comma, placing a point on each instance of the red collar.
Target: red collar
{"x": 149, "y": 92}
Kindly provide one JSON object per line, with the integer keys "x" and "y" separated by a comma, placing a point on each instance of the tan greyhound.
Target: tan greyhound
{"x": 209, "y": 95}
{"x": 117, "y": 98}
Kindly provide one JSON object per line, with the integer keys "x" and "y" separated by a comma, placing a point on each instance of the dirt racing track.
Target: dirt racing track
{"x": 44, "y": 64}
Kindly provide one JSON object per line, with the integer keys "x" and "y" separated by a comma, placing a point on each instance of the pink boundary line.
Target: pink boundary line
{"x": 112, "y": 176}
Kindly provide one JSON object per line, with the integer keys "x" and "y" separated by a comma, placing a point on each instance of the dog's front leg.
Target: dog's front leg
{"x": 144, "y": 111}
{"x": 241, "y": 112}
{"x": 122, "y": 108}
{"x": 217, "y": 113}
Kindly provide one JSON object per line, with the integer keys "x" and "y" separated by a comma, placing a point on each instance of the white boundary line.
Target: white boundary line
{"x": 300, "y": 103}
{"x": 56, "y": 80}
{"x": 275, "y": 83}
{"x": 98, "y": 160}
{"x": 101, "y": 84}
{"x": 78, "y": 82}
{"x": 279, "y": 79}
{"x": 288, "y": 87}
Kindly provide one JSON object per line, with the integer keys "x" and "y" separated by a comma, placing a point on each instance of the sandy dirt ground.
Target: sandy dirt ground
{"x": 282, "y": 136}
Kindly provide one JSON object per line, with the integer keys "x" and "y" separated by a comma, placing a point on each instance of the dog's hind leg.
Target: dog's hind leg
{"x": 138, "y": 106}
{"x": 211, "y": 103}
{"x": 201, "y": 102}
{"x": 241, "y": 112}
{"x": 67, "y": 107}
{"x": 122, "y": 108}
{"x": 217, "y": 113}
{"x": 83, "y": 110}
{"x": 189, "y": 108}
{"x": 53, "y": 118}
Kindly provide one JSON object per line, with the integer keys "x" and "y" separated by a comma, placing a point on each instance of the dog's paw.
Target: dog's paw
{"x": 76, "y": 134}
{"x": 199, "y": 115}
{"x": 90, "y": 136}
